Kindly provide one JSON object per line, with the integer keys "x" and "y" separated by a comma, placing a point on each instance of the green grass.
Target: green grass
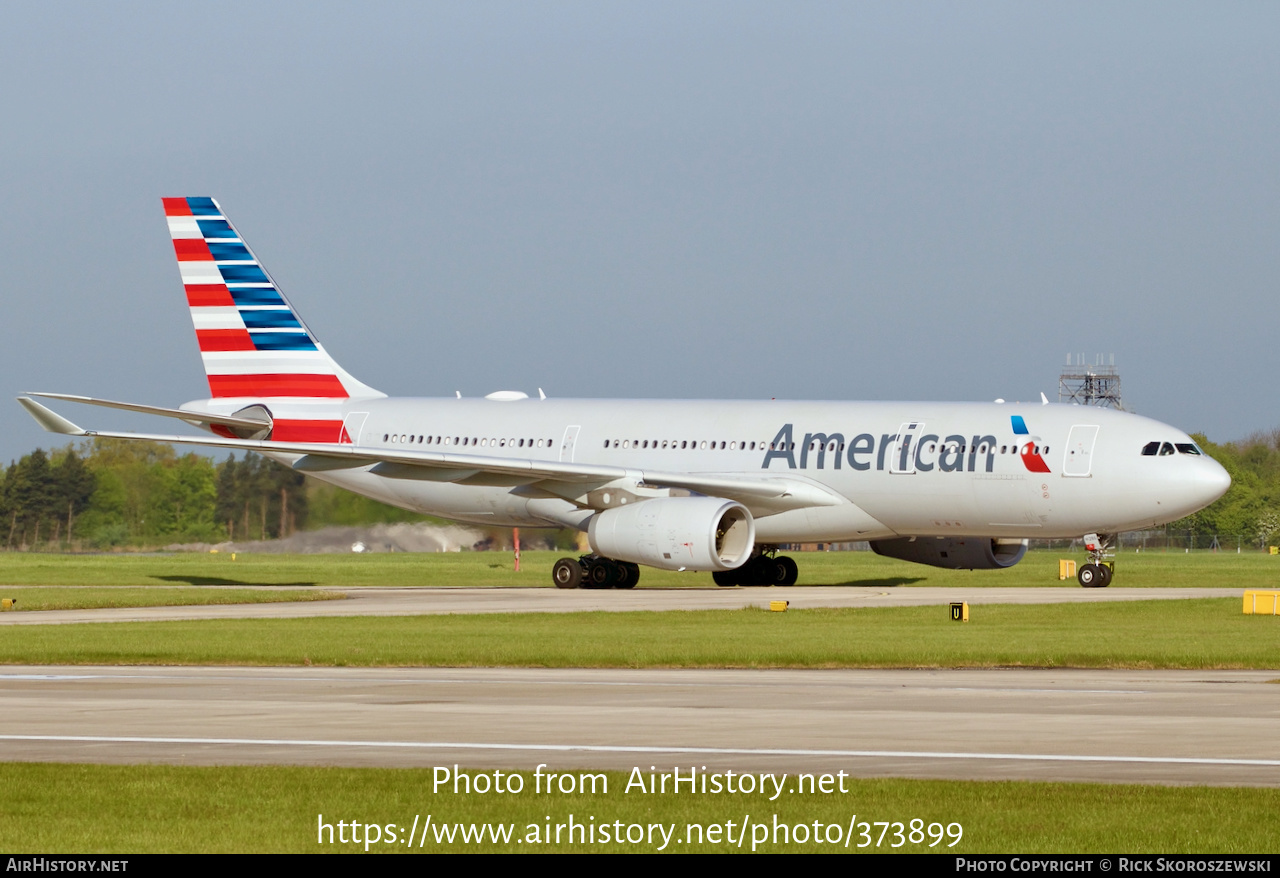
{"x": 126, "y": 580}
{"x": 494, "y": 569}
{"x": 111, "y": 809}
{"x": 137, "y": 809}
{"x": 1197, "y": 633}
{"x": 95, "y": 597}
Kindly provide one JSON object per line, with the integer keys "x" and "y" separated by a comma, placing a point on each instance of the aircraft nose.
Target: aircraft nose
{"x": 1191, "y": 486}
{"x": 1205, "y": 483}
{"x": 1214, "y": 480}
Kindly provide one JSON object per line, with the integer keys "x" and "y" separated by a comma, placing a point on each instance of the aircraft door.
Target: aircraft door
{"x": 569, "y": 441}
{"x": 1078, "y": 459}
{"x": 351, "y": 428}
{"x": 902, "y": 453}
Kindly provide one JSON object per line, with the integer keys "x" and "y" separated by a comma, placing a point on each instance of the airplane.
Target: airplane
{"x": 692, "y": 485}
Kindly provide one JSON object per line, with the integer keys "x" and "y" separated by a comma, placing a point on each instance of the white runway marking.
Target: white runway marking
{"x": 688, "y": 751}
{"x": 52, "y": 676}
{"x": 304, "y": 679}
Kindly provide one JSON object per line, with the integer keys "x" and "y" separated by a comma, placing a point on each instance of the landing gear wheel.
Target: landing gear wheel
{"x": 598, "y": 574}
{"x": 725, "y": 578}
{"x": 774, "y": 572}
{"x": 1104, "y": 575}
{"x": 1091, "y": 576}
{"x": 621, "y": 575}
{"x": 567, "y": 573}
{"x": 630, "y": 574}
{"x": 792, "y": 570}
{"x": 762, "y": 570}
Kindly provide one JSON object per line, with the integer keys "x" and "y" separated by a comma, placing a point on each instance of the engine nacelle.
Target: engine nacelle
{"x": 954, "y": 553}
{"x": 674, "y": 533}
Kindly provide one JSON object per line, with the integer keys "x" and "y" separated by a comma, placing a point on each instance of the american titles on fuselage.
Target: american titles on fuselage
{"x": 909, "y": 450}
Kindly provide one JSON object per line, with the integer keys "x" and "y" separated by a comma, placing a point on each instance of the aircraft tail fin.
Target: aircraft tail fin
{"x": 252, "y": 341}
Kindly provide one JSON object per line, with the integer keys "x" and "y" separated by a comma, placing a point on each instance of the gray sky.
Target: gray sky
{"x": 747, "y": 200}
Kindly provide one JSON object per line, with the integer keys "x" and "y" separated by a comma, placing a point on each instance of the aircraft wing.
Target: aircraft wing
{"x": 761, "y": 494}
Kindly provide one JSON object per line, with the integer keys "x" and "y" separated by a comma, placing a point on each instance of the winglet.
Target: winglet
{"x": 49, "y": 419}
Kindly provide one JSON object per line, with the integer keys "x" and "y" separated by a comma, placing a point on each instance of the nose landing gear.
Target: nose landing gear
{"x": 1097, "y": 573}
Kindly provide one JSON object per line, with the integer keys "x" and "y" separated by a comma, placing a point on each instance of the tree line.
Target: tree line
{"x": 106, "y": 493}
{"x": 1251, "y": 507}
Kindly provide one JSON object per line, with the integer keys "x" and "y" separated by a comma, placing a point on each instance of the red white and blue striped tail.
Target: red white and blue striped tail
{"x": 253, "y": 343}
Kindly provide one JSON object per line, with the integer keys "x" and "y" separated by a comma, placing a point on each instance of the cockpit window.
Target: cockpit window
{"x": 1151, "y": 449}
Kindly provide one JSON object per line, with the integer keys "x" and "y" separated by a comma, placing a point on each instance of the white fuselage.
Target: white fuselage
{"x": 899, "y": 468}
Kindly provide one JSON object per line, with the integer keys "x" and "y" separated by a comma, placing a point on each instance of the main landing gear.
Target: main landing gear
{"x": 595, "y": 571}
{"x": 763, "y": 569}
{"x": 1096, "y": 573}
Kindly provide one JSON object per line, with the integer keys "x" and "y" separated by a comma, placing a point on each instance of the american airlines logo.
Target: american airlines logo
{"x": 909, "y": 450}
{"x": 1030, "y": 449}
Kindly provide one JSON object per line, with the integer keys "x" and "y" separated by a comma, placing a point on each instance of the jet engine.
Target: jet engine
{"x": 954, "y": 553}
{"x": 676, "y": 533}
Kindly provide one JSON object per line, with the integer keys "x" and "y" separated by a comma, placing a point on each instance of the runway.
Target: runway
{"x": 418, "y": 601}
{"x": 1168, "y": 727}
{"x": 1165, "y": 727}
